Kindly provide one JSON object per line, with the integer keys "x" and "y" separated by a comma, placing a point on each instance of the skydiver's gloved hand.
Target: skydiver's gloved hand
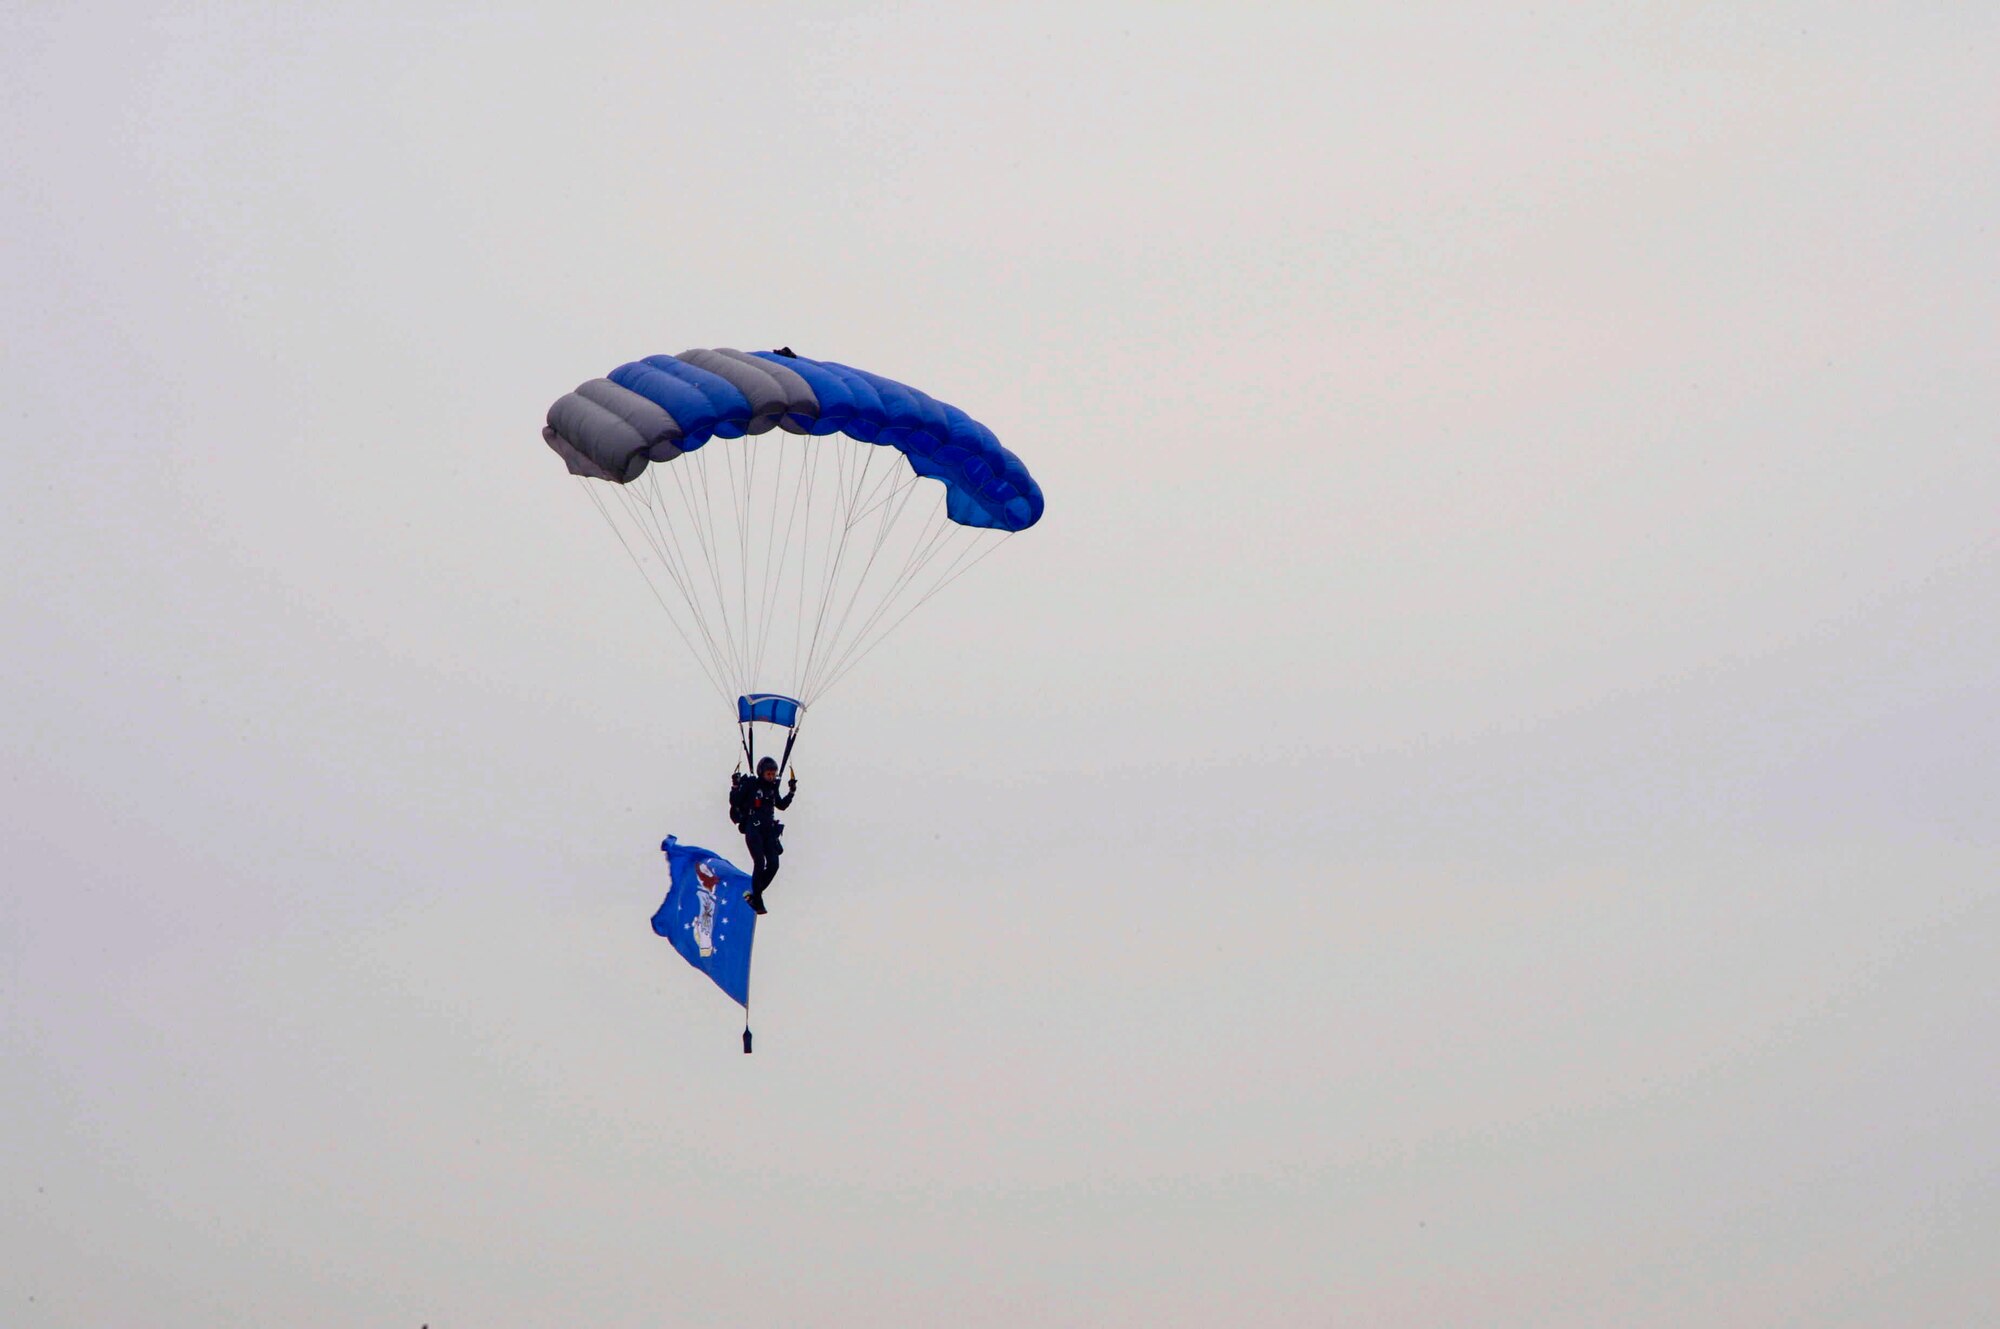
{"x": 792, "y": 788}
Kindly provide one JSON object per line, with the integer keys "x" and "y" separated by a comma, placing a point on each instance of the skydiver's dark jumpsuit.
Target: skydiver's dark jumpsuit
{"x": 756, "y": 801}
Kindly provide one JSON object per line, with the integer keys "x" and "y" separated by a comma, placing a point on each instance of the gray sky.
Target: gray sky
{"x": 1477, "y": 805}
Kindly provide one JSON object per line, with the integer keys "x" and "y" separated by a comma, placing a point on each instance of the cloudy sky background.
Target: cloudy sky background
{"x": 1477, "y": 805}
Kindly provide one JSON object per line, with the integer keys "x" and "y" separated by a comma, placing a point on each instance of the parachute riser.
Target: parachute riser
{"x": 748, "y": 742}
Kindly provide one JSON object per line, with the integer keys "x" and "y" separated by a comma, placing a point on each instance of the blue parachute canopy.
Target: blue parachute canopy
{"x": 839, "y": 504}
{"x": 654, "y": 409}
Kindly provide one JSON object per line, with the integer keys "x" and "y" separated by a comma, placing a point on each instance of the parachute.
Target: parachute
{"x": 788, "y": 513}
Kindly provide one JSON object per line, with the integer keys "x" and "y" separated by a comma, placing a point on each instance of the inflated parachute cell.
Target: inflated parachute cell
{"x": 784, "y": 553}
{"x": 655, "y": 409}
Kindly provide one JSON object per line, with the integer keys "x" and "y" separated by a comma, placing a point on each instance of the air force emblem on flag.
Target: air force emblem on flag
{"x": 705, "y": 918}
{"x": 703, "y": 926}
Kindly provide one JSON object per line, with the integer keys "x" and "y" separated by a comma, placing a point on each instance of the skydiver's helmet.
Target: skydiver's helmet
{"x": 767, "y": 764}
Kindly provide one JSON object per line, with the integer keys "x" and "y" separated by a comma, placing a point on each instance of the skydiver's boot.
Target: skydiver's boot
{"x": 755, "y": 899}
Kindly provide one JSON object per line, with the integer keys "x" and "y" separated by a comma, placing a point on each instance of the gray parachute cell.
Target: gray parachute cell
{"x": 660, "y": 430}
{"x": 769, "y": 402}
{"x": 613, "y": 430}
{"x": 801, "y": 405}
{"x": 577, "y": 463}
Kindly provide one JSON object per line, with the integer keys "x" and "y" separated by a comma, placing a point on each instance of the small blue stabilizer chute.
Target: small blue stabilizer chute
{"x": 768, "y": 707}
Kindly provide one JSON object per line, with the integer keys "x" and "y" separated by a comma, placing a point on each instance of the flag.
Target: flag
{"x": 704, "y": 916}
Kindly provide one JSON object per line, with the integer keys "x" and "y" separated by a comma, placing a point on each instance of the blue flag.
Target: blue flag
{"x": 704, "y": 916}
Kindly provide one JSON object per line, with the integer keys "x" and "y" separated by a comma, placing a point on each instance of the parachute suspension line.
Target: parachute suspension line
{"x": 853, "y": 497}
{"x": 926, "y": 553}
{"x": 696, "y": 507}
{"x": 882, "y": 491}
{"x": 885, "y": 491}
{"x": 770, "y": 538}
{"x": 669, "y": 527}
{"x": 849, "y": 521}
{"x": 950, "y": 577}
{"x": 728, "y": 464}
{"x": 647, "y": 519}
{"x": 937, "y": 536}
{"x": 805, "y": 559}
{"x": 865, "y": 552}
{"x": 685, "y": 479}
{"x": 732, "y": 623}
{"x": 899, "y": 494}
{"x": 889, "y": 518}
{"x": 830, "y": 553}
{"x": 850, "y": 493}
{"x": 776, "y": 554}
{"x": 753, "y": 606}
{"x": 667, "y": 537}
{"x": 663, "y": 532}
{"x": 801, "y": 517}
{"x": 634, "y": 507}
{"x": 892, "y": 490}
{"x": 741, "y": 513}
{"x": 944, "y": 549}
{"x": 640, "y": 564}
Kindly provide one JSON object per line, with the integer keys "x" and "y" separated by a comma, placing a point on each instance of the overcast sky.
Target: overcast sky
{"x": 1477, "y": 805}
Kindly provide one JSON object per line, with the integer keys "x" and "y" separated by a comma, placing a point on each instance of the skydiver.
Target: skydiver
{"x": 754, "y": 802}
